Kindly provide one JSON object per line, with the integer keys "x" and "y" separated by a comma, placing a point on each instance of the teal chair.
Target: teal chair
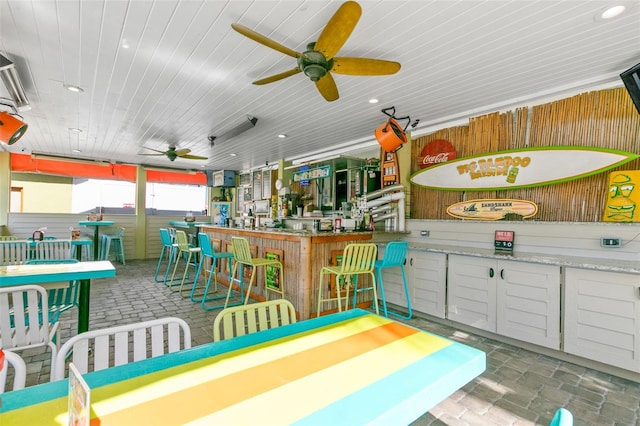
{"x": 207, "y": 252}
{"x": 169, "y": 248}
{"x": 563, "y": 417}
{"x": 60, "y": 297}
{"x": 395, "y": 255}
{"x": 117, "y": 239}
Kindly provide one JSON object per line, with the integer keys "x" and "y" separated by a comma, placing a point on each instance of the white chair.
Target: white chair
{"x": 246, "y": 319}
{"x": 53, "y": 249}
{"x": 96, "y": 350}
{"x": 22, "y": 309}
{"x": 19, "y": 371}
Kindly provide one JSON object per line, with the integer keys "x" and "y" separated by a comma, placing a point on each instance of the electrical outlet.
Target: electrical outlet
{"x": 610, "y": 242}
{"x": 424, "y": 233}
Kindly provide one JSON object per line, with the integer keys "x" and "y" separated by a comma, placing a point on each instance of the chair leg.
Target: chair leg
{"x": 253, "y": 276}
{"x": 185, "y": 275}
{"x": 155, "y": 277}
{"x": 231, "y": 270}
{"x": 171, "y": 258}
{"x": 406, "y": 294}
{"x": 382, "y": 295}
{"x": 173, "y": 275}
{"x": 241, "y": 279}
{"x": 195, "y": 280}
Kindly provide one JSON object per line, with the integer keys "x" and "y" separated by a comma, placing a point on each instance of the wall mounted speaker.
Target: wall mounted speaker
{"x": 631, "y": 80}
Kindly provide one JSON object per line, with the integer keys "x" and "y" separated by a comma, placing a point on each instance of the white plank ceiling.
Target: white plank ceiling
{"x": 160, "y": 73}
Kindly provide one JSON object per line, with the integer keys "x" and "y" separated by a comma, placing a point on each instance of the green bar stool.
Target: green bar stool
{"x": 117, "y": 239}
{"x": 187, "y": 252}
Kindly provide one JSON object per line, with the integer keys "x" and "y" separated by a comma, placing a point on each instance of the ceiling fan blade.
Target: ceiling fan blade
{"x": 277, "y": 77}
{"x": 192, "y": 157}
{"x": 247, "y": 32}
{"x": 181, "y": 152}
{"x": 327, "y": 88}
{"x": 151, "y": 149}
{"x": 338, "y": 29}
{"x": 364, "y": 66}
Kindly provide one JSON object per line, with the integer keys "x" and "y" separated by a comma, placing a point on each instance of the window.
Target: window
{"x": 171, "y": 199}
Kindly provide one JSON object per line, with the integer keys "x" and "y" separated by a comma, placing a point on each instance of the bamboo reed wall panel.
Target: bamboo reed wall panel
{"x": 605, "y": 118}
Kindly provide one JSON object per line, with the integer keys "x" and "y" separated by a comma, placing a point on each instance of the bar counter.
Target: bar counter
{"x": 303, "y": 253}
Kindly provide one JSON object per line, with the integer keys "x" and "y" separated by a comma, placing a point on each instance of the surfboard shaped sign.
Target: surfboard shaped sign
{"x": 492, "y": 209}
{"x": 523, "y": 168}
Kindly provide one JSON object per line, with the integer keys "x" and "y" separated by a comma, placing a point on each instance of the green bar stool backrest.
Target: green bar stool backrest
{"x": 358, "y": 258}
{"x": 395, "y": 254}
{"x": 241, "y": 250}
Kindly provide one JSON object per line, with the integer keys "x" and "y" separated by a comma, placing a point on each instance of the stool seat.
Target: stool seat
{"x": 242, "y": 256}
{"x": 395, "y": 255}
{"x": 117, "y": 239}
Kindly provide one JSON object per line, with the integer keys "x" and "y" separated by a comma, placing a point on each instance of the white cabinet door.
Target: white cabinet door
{"x": 528, "y": 296}
{"x": 602, "y": 317}
{"x": 471, "y": 291}
{"x": 427, "y": 273}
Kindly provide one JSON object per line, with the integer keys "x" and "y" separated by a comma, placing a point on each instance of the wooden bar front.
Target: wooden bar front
{"x": 304, "y": 254}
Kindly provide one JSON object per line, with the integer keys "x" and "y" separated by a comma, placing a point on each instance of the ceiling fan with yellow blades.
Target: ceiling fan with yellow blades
{"x": 318, "y": 61}
{"x": 172, "y": 153}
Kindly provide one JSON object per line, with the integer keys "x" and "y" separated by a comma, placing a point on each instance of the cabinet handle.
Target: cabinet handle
{"x": 490, "y": 272}
{"x": 502, "y": 274}
{"x": 410, "y": 261}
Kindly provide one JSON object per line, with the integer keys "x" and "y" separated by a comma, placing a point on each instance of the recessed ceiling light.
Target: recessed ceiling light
{"x": 75, "y": 130}
{"x": 373, "y": 101}
{"x": 612, "y": 12}
{"x": 72, "y": 88}
{"x": 282, "y": 136}
{"x": 76, "y": 151}
{"x": 233, "y": 154}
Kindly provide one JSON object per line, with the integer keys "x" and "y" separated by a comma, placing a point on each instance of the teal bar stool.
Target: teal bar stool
{"x": 170, "y": 249}
{"x": 395, "y": 255}
{"x": 207, "y": 252}
{"x": 118, "y": 244}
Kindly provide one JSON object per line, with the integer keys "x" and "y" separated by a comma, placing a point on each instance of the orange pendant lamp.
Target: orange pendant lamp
{"x": 11, "y": 129}
{"x": 390, "y": 136}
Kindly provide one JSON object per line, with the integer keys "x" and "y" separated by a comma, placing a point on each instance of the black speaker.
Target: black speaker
{"x": 631, "y": 80}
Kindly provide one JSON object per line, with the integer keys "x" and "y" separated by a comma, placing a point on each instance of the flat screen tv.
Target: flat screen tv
{"x": 631, "y": 80}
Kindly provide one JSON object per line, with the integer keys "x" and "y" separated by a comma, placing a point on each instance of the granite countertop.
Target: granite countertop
{"x": 610, "y": 265}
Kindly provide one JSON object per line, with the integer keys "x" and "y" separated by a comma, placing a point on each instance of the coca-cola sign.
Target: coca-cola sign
{"x": 435, "y": 152}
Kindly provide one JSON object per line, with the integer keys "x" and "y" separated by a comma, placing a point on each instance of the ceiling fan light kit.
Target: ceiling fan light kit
{"x": 318, "y": 61}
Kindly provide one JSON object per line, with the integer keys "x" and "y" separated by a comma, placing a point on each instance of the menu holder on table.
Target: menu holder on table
{"x": 79, "y": 399}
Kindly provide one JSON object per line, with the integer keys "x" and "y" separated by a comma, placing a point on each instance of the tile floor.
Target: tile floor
{"x": 519, "y": 387}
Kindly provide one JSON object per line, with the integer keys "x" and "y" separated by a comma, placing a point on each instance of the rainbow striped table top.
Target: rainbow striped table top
{"x": 348, "y": 368}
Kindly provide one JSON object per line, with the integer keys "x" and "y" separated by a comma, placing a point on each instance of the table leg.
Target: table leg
{"x": 96, "y": 249}
{"x": 83, "y": 306}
